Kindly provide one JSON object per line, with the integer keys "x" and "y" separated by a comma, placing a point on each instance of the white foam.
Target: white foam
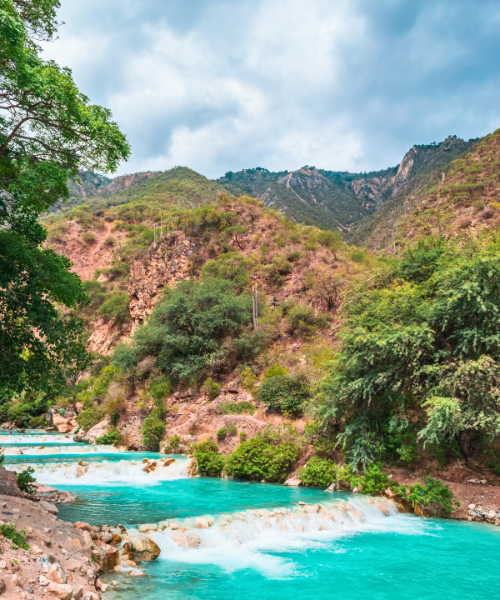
{"x": 244, "y": 540}
{"x": 66, "y": 450}
{"x": 36, "y": 439}
{"x": 104, "y": 472}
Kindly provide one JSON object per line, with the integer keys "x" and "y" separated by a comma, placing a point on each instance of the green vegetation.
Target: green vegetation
{"x": 318, "y": 471}
{"x": 25, "y": 480}
{"x": 49, "y": 132}
{"x": 112, "y": 437}
{"x": 235, "y": 408}
{"x": 18, "y": 538}
{"x": 209, "y": 460}
{"x": 188, "y": 328}
{"x": 211, "y": 388}
{"x": 422, "y": 335}
{"x": 285, "y": 394}
{"x": 153, "y": 428}
{"x": 433, "y": 495}
{"x": 221, "y": 434}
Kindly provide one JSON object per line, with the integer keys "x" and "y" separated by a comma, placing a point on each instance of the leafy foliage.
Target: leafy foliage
{"x": 318, "y": 472}
{"x": 209, "y": 460}
{"x": 211, "y": 388}
{"x": 235, "y": 408}
{"x": 434, "y": 495}
{"x": 25, "y": 480}
{"x": 284, "y": 393}
{"x": 111, "y": 437}
{"x": 424, "y": 332}
{"x": 153, "y": 428}
{"x": 18, "y": 538}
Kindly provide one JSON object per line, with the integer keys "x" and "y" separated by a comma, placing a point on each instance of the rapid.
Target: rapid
{"x": 223, "y": 538}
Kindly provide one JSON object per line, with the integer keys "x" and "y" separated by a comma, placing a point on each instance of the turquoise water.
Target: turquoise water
{"x": 362, "y": 554}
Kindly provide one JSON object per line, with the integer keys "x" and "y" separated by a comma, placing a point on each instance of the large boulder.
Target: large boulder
{"x": 95, "y": 432}
{"x": 142, "y": 548}
{"x": 107, "y": 556}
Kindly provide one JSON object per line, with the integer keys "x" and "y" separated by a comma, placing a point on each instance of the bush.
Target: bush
{"x": 330, "y": 239}
{"x": 25, "y": 479}
{"x": 303, "y": 320}
{"x": 284, "y": 393}
{"x": 159, "y": 387}
{"x": 269, "y": 455}
{"x": 274, "y": 371}
{"x": 90, "y": 417}
{"x": 232, "y": 266}
{"x": 211, "y": 388}
{"x": 116, "y": 307}
{"x": 153, "y": 428}
{"x": 221, "y": 434}
{"x": 209, "y": 460}
{"x": 374, "y": 481}
{"x": 109, "y": 242}
{"x": 231, "y": 429}
{"x": 88, "y": 238}
{"x": 248, "y": 379}
{"x": 235, "y": 408}
{"x": 243, "y": 437}
{"x": 173, "y": 444}
{"x": 318, "y": 471}
{"x": 112, "y": 437}
{"x": 434, "y": 495}
{"x": 18, "y": 538}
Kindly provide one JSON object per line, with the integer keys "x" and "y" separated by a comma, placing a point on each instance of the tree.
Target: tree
{"x": 188, "y": 329}
{"x": 324, "y": 288}
{"x": 423, "y": 334}
{"x": 49, "y": 132}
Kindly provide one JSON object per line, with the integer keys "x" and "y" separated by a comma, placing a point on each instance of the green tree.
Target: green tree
{"x": 49, "y": 132}
{"x": 423, "y": 333}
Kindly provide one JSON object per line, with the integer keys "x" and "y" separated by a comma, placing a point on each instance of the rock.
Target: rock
{"x": 91, "y": 596}
{"x": 107, "y": 556}
{"x": 83, "y": 463}
{"x": 95, "y": 432}
{"x": 333, "y": 487}
{"x": 62, "y": 497}
{"x": 472, "y": 506}
{"x": 81, "y": 525}
{"x": 201, "y": 523}
{"x": 144, "y": 548}
{"x": 100, "y": 585}
{"x": 77, "y": 592}
{"x": 40, "y": 488}
{"x": 106, "y": 537}
{"x": 137, "y": 573}
{"x": 61, "y": 590}
{"x": 64, "y": 424}
{"x": 72, "y": 564}
{"x": 15, "y": 580}
{"x": 116, "y": 538}
{"x": 293, "y": 482}
{"x": 48, "y": 507}
{"x": 233, "y": 386}
{"x": 57, "y": 574}
{"x": 389, "y": 493}
{"x": 2, "y": 586}
{"x": 148, "y": 527}
{"x": 483, "y": 482}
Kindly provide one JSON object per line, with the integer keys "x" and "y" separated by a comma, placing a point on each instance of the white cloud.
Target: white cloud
{"x": 222, "y": 85}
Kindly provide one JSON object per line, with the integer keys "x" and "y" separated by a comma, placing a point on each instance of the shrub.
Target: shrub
{"x": 159, "y": 387}
{"x": 88, "y": 238}
{"x": 258, "y": 459}
{"x": 116, "y": 307}
{"x": 303, "y": 320}
{"x": 112, "y": 437}
{"x": 318, "y": 471}
{"x": 235, "y": 408}
{"x": 153, "y": 428}
{"x": 90, "y": 417}
{"x": 25, "y": 479}
{"x": 284, "y": 393}
{"x": 374, "y": 481}
{"x": 190, "y": 325}
{"x": 221, "y": 434}
{"x": 434, "y": 495}
{"x": 209, "y": 460}
{"x": 274, "y": 371}
{"x": 248, "y": 379}
{"x": 232, "y": 266}
{"x": 211, "y": 388}
{"x": 231, "y": 429}
{"x": 109, "y": 241}
{"x": 18, "y": 538}
{"x": 243, "y": 437}
{"x": 330, "y": 239}
{"x": 173, "y": 444}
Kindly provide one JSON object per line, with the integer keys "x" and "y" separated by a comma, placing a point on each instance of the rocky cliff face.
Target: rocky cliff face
{"x": 166, "y": 263}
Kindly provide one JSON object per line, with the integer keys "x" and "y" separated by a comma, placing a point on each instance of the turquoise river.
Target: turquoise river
{"x": 262, "y": 544}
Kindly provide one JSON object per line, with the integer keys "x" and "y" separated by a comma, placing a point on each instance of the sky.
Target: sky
{"x": 223, "y": 85}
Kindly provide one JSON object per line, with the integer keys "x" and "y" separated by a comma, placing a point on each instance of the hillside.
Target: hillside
{"x": 342, "y": 200}
{"x": 453, "y": 199}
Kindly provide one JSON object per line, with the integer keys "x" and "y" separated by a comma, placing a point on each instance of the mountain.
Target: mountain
{"x": 341, "y": 200}
{"x": 453, "y": 199}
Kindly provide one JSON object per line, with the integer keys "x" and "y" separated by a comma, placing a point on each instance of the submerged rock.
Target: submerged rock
{"x": 143, "y": 548}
